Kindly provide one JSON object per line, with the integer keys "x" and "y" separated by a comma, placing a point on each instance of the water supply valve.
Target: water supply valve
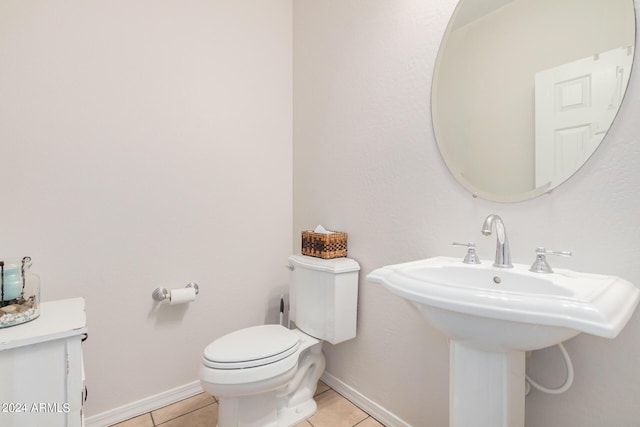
{"x": 471, "y": 257}
{"x": 540, "y": 265}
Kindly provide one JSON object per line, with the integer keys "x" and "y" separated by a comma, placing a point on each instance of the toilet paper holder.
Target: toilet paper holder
{"x": 163, "y": 294}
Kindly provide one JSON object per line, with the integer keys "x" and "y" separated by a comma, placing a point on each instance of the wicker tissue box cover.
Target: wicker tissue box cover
{"x": 323, "y": 245}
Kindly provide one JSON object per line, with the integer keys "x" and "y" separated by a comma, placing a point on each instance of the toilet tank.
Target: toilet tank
{"x": 323, "y": 295}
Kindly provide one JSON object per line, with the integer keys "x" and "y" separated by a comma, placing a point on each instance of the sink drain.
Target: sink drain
{"x": 497, "y": 280}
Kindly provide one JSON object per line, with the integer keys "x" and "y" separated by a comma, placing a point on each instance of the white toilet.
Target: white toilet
{"x": 266, "y": 376}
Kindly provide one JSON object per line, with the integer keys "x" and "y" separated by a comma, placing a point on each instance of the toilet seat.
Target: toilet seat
{"x": 251, "y": 347}
{"x": 272, "y": 351}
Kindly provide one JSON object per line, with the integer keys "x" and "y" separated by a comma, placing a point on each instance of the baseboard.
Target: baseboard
{"x": 143, "y": 406}
{"x": 361, "y": 401}
{"x": 168, "y": 397}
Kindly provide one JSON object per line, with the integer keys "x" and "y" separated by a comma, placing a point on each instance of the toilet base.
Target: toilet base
{"x": 292, "y": 416}
{"x": 260, "y": 411}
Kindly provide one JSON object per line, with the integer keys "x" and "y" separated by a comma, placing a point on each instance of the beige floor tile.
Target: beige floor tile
{"x": 141, "y": 421}
{"x": 336, "y": 411}
{"x": 202, "y": 411}
{"x": 204, "y": 417}
{"x": 369, "y": 422}
{"x": 183, "y": 407}
{"x": 322, "y": 387}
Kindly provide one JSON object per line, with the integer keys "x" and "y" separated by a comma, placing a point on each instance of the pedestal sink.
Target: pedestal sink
{"x": 494, "y": 315}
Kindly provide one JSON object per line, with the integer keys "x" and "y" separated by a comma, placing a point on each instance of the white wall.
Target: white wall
{"x": 366, "y": 162}
{"x": 143, "y": 144}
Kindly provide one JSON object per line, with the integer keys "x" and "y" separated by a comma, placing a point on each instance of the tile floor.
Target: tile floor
{"x": 202, "y": 411}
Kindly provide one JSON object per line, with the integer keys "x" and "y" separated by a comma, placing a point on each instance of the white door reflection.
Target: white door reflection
{"x": 575, "y": 104}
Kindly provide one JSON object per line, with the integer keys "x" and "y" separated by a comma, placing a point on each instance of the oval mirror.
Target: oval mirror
{"x": 524, "y": 91}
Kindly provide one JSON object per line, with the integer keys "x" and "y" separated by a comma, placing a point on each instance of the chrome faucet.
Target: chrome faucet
{"x": 503, "y": 255}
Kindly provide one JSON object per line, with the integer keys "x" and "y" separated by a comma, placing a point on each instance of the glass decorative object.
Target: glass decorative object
{"x": 19, "y": 292}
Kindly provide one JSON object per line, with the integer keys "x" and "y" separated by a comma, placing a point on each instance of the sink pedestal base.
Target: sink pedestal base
{"x": 487, "y": 389}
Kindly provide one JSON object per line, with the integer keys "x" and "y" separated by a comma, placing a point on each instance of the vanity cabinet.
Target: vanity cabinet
{"x": 41, "y": 368}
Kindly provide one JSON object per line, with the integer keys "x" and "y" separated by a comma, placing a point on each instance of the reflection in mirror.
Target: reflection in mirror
{"x": 524, "y": 91}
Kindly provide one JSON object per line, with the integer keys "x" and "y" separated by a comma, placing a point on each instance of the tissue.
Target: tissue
{"x": 321, "y": 230}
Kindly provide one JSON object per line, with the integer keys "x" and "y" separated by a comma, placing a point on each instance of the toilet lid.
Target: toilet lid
{"x": 251, "y": 347}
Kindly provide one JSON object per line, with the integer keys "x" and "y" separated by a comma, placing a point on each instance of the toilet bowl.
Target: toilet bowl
{"x": 262, "y": 383}
{"x": 266, "y": 376}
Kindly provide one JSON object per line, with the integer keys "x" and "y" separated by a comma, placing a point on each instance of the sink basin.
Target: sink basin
{"x": 531, "y": 310}
{"x": 494, "y": 315}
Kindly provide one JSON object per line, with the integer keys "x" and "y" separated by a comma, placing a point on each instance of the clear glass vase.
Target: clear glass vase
{"x": 19, "y": 292}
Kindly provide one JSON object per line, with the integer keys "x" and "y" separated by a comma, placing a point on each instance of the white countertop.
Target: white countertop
{"x": 58, "y": 319}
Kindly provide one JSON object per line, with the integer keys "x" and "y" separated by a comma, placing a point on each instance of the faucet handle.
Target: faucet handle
{"x": 471, "y": 257}
{"x": 540, "y": 265}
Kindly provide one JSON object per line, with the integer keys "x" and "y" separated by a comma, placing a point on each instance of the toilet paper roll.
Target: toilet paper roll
{"x": 180, "y": 296}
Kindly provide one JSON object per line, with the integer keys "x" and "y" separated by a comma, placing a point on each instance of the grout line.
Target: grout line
{"x": 153, "y": 421}
{"x": 182, "y": 415}
{"x": 323, "y": 392}
{"x": 368, "y": 417}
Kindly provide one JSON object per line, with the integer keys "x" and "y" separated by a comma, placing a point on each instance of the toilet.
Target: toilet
{"x": 266, "y": 376}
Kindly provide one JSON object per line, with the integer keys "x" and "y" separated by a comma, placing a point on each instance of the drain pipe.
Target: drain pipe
{"x": 564, "y": 387}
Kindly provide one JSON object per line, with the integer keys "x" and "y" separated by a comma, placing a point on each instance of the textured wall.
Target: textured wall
{"x": 143, "y": 144}
{"x": 366, "y": 162}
